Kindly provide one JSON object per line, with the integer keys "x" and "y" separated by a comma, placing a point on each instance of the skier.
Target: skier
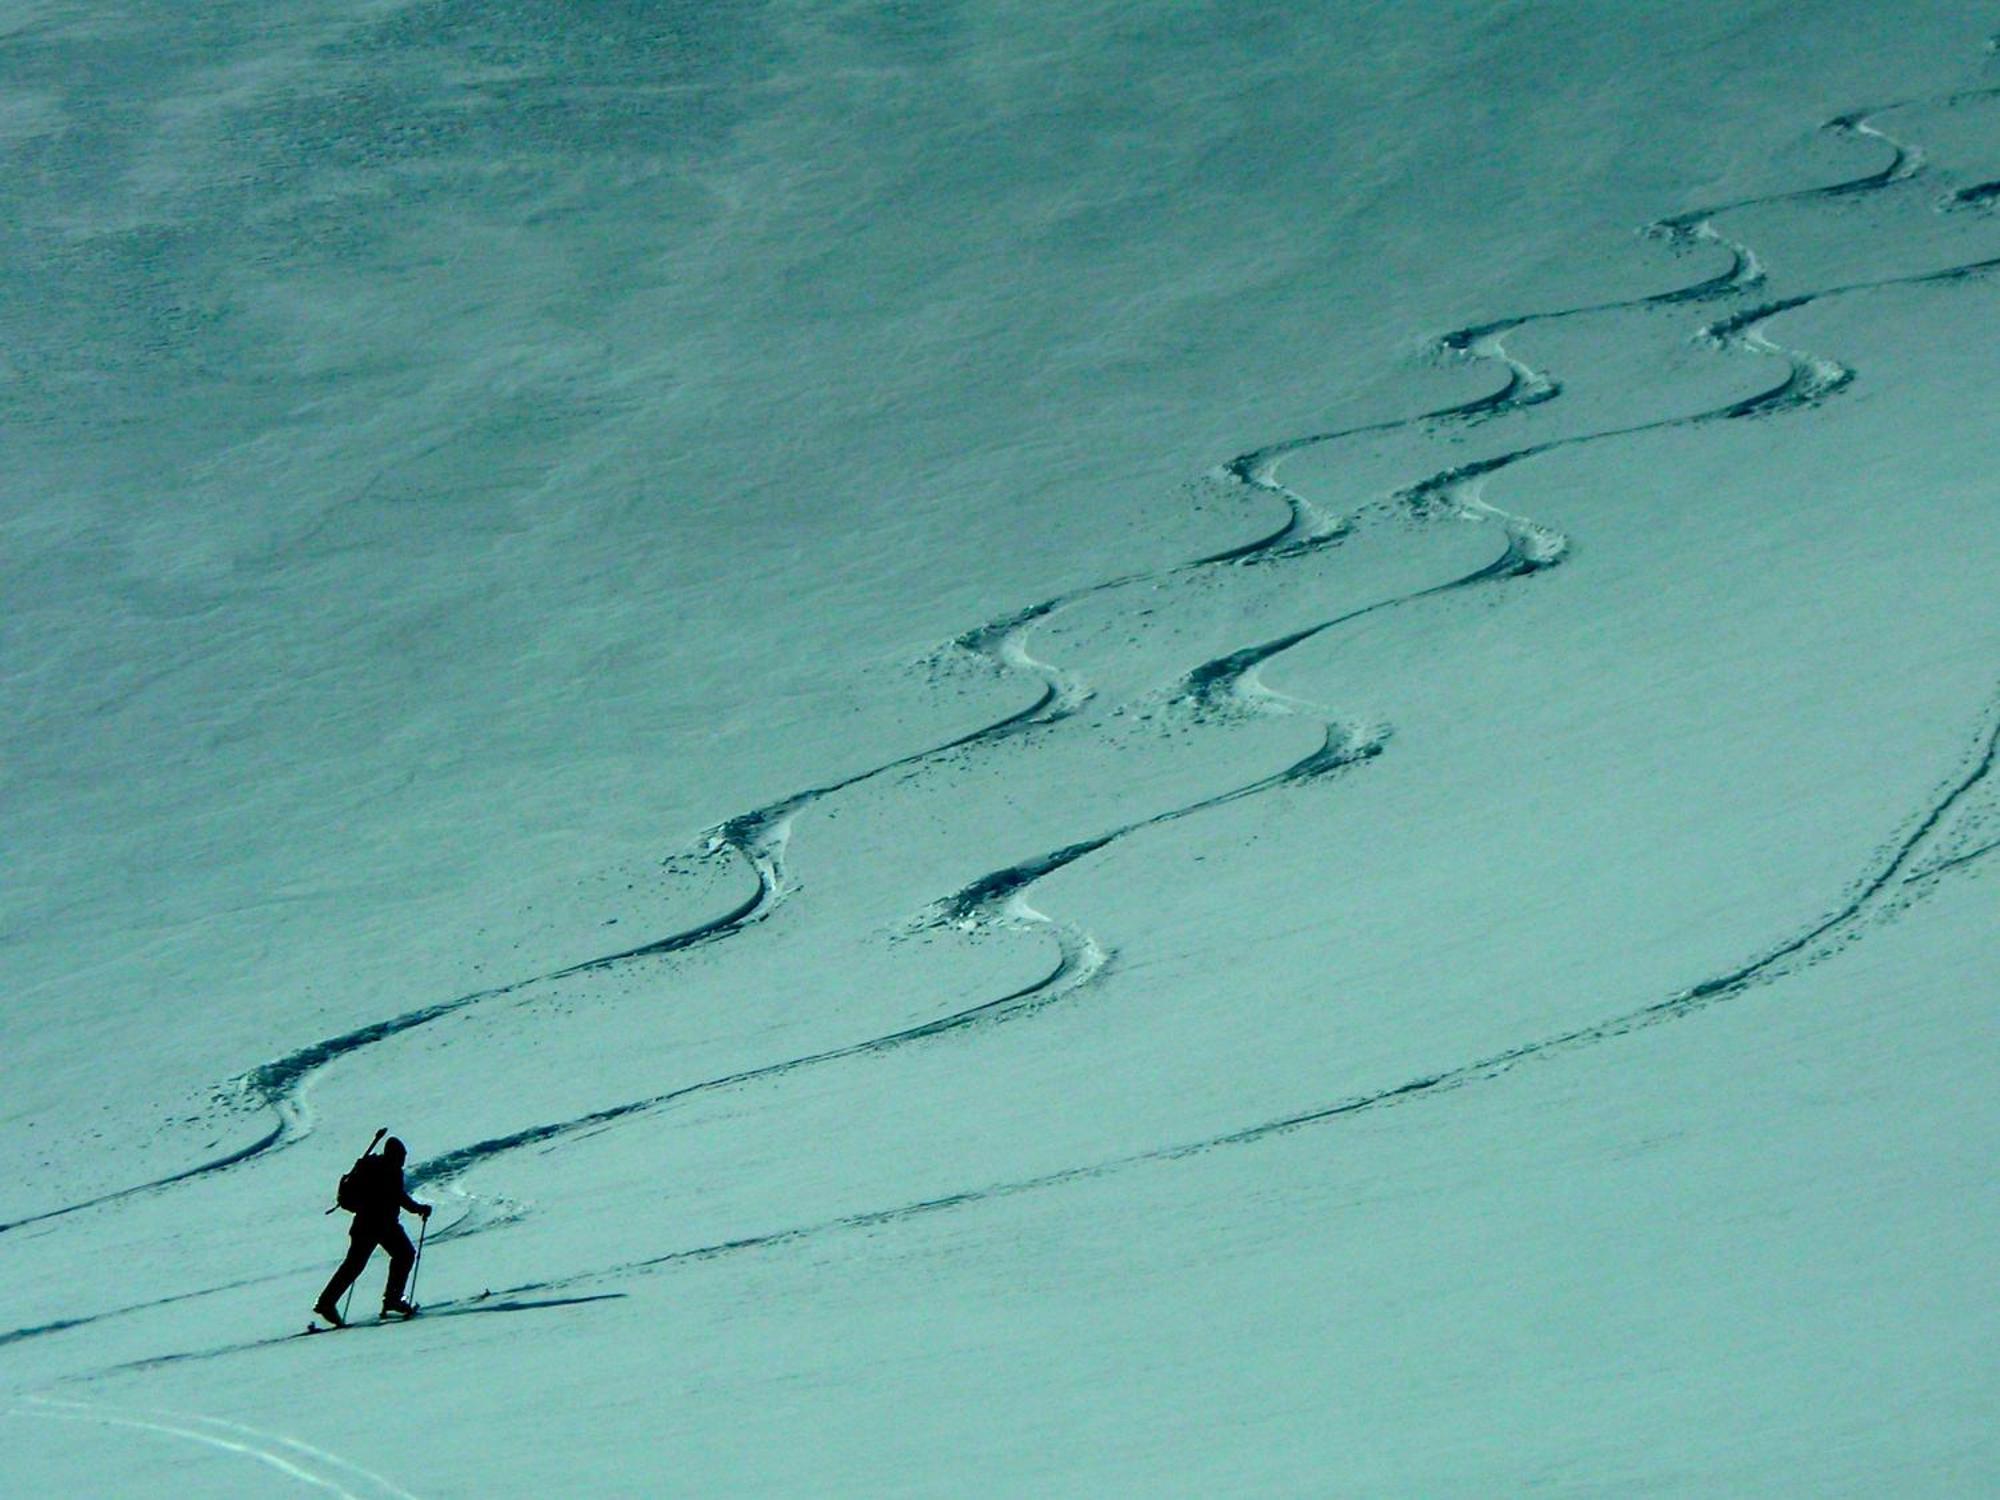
{"x": 375, "y": 1188}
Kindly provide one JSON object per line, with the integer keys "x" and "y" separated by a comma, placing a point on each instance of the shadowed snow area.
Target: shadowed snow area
{"x": 1099, "y": 749}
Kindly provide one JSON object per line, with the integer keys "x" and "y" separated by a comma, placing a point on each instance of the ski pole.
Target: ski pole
{"x": 423, "y": 1228}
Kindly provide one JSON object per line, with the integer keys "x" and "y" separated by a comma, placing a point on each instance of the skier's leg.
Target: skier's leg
{"x": 401, "y": 1253}
{"x": 360, "y": 1246}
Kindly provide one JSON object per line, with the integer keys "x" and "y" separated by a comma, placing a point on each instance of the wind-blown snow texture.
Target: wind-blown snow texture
{"x": 1004, "y": 733}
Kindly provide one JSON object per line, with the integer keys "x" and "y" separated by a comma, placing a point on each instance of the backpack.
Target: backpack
{"x": 352, "y": 1194}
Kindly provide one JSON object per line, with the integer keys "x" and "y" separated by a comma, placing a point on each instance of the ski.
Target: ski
{"x": 449, "y": 1307}
{"x": 314, "y": 1326}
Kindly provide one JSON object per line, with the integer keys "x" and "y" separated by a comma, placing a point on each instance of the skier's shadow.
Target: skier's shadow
{"x": 519, "y": 1304}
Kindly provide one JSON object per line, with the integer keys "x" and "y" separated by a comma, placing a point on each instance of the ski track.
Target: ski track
{"x": 760, "y": 838}
{"x": 61, "y": 1325}
{"x": 1954, "y": 862}
{"x": 485, "y": 1302}
{"x": 296, "y": 1460}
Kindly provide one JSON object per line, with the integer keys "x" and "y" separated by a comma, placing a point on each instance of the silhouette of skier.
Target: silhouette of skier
{"x": 375, "y": 1191}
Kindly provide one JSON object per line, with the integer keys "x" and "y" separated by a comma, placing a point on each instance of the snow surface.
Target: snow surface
{"x": 1098, "y": 749}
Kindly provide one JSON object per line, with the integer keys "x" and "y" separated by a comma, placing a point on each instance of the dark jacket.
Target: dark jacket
{"x": 377, "y": 1185}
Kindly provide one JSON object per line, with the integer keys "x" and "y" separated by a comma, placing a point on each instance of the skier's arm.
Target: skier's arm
{"x": 421, "y": 1209}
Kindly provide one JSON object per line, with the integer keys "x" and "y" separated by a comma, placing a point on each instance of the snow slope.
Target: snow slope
{"x": 1090, "y": 750}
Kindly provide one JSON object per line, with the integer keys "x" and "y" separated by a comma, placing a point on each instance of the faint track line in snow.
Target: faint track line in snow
{"x": 1955, "y": 862}
{"x": 294, "y": 1459}
{"x": 482, "y": 1304}
{"x": 63, "y": 1325}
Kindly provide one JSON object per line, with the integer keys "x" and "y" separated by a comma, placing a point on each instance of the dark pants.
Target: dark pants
{"x": 361, "y": 1242}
